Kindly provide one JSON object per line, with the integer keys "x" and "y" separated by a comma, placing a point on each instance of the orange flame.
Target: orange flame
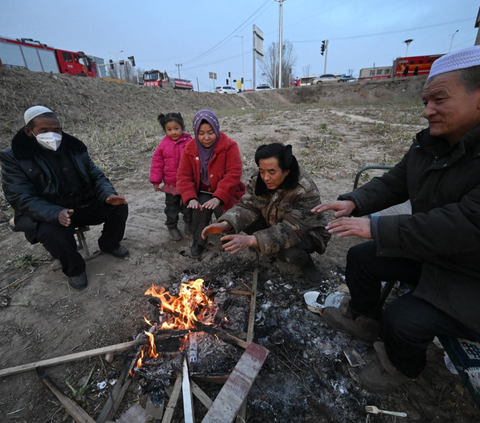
{"x": 189, "y": 306}
{"x": 152, "y": 349}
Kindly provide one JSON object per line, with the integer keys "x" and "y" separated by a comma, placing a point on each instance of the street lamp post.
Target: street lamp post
{"x": 451, "y": 42}
{"x": 280, "y": 43}
{"x": 243, "y": 62}
{"x": 407, "y": 42}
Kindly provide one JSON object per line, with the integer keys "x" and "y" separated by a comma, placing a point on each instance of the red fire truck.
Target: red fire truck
{"x": 33, "y": 55}
{"x": 402, "y": 67}
{"x": 155, "y": 78}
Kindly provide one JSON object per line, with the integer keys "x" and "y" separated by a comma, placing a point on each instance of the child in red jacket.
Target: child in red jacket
{"x": 209, "y": 175}
{"x": 165, "y": 162}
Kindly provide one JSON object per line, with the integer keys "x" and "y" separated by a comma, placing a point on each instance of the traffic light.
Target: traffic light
{"x": 111, "y": 64}
{"x": 227, "y": 80}
{"x": 121, "y": 62}
{"x": 322, "y": 50}
{"x": 132, "y": 59}
{"x": 229, "y": 74}
{"x": 241, "y": 81}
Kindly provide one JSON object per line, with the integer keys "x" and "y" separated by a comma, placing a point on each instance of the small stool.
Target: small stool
{"x": 81, "y": 241}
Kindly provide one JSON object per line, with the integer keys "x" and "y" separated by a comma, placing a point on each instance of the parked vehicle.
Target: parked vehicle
{"x": 227, "y": 89}
{"x": 33, "y": 55}
{"x": 329, "y": 78}
{"x": 155, "y": 78}
{"x": 263, "y": 87}
{"x": 401, "y": 67}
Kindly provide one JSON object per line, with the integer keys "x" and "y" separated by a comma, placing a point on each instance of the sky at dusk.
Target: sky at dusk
{"x": 207, "y": 36}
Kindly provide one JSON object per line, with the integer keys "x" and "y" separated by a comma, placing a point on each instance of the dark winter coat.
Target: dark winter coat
{"x": 443, "y": 185}
{"x": 32, "y": 188}
{"x": 287, "y": 213}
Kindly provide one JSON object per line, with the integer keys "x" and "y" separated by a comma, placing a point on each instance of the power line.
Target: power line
{"x": 230, "y": 35}
{"x": 348, "y": 37}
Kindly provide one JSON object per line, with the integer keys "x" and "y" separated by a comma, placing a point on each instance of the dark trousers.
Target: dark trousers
{"x": 201, "y": 218}
{"x": 298, "y": 255}
{"x": 173, "y": 206}
{"x": 409, "y": 324}
{"x": 60, "y": 242}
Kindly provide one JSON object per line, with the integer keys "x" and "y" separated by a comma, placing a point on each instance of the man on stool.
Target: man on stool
{"x": 54, "y": 187}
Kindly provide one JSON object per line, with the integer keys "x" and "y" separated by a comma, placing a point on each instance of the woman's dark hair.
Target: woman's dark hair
{"x": 286, "y": 161}
{"x": 170, "y": 117}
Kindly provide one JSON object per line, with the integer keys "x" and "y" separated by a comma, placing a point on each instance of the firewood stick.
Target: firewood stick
{"x": 242, "y": 414}
{"x": 77, "y": 412}
{"x": 82, "y": 355}
{"x": 167, "y": 417}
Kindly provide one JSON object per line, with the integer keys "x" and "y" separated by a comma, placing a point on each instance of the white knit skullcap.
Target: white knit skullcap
{"x": 35, "y": 111}
{"x": 461, "y": 59}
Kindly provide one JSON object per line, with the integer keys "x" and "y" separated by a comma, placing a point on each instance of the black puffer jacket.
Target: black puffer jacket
{"x": 29, "y": 185}
{"x": 443, "y": 185}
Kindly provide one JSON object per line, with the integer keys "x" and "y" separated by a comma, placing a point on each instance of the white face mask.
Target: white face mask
{"x": 49, "y": 140}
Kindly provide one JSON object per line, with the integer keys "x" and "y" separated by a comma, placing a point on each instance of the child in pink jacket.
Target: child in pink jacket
{"x": 164, "y": 167}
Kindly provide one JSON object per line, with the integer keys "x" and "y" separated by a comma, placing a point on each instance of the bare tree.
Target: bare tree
{"x": 270, "y": 64}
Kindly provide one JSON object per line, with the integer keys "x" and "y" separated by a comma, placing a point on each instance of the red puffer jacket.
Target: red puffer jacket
{"x": 166, "y": 159}
{"x": 224, "y": 171}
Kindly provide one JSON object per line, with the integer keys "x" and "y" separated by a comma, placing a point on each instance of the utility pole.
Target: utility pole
{"x": 326, "y": 54}
{"x": 243, "y": 57}
{"x": 178, "y": 66}
{"x": 280, "y": 43}
{"x": 198, "y": 85}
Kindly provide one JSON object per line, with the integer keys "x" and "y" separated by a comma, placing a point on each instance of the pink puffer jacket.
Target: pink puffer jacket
{"x": 166, "y": 159}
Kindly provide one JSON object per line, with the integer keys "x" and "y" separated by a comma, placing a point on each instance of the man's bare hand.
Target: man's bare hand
{"x": 115, "y": 200}
{"x": 194, "y": 204}
{"x": 341, "y": 208}
{"x": 215, "y": 228}
{"x": 212, "y": 204}
{"x": 64, "y": 217}
{"x": 238, "y": 243}
{"x": 350, "y": 226}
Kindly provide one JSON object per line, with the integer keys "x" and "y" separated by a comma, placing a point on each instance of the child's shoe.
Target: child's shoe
{"x": 175, "y": 234}
{"x": 196, "y": 250}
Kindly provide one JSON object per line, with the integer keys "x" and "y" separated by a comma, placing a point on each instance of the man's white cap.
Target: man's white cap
{"x": 35, "y": 111}
{"x": 461, "y": 59}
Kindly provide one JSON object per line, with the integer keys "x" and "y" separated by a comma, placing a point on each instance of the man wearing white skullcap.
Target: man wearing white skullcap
{"x": 435, "y": 250}
{"x": 54, "y": 187}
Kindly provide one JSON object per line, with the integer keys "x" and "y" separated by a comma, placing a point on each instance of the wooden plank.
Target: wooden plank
{"x": 242, "y": 414}
{"x": 77, "y": 412}
{"x": 108, "y": 409}
{"x": 235, "y": 391}
{"x": 172, "y": 403}
{"x": 188, "y": 412}
{"x": 69, "y": 358}
{"x": 202, "y": 396}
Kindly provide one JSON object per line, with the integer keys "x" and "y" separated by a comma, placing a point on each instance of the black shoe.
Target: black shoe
{"x": 78, "y": 282}
{"x": 120, "y": 252}
{"x": 196, "y": 250}
{"x": 175, "y": 234}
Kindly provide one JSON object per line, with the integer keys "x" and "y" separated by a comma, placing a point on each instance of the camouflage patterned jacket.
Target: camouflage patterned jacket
{"x": 287, "y": 213}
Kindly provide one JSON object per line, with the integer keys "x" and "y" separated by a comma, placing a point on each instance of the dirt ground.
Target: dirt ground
{"x": 334, "y": 132}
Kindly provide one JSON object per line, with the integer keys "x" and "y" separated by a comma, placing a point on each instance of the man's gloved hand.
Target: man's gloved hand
{"x": 115, "y": 200}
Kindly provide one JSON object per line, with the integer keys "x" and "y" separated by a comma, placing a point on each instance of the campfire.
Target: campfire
{"x": 192, "y": 323}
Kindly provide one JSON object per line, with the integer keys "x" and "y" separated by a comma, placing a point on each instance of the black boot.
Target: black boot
{"x": 175, "y": 234}
{"x": 196, "y": 249}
